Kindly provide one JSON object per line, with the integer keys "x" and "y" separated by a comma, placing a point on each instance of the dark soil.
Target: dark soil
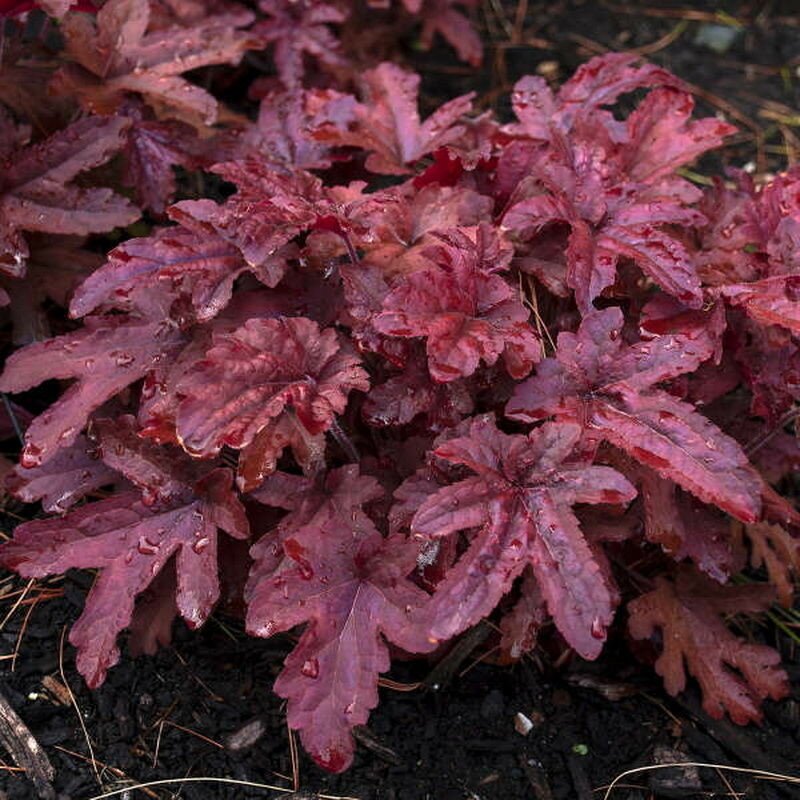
{"x": 178, "y": 715}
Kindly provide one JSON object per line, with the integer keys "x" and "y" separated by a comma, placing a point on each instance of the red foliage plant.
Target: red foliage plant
{"x": 530, "y": 375}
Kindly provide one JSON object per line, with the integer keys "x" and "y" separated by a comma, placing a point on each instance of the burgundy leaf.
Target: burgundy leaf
{"x": 387, "y": 123}
{"x": 778, "y": 551}
{"x": 440, "y": 16}
{"x": 467, "y": 314}
{"x": 402, "y": 398}
{"x": 770, "y": 301}
{"x": 130, "y": 544}
{"x": 106, "y": 355}
{"x": 327, "y": 566}
{"x": 282, "y": 135}
{"x": 152, "y": 149}
{"x": 663, "y": 137}
{"x": 597, "y": 83}
{"x": 520, "y": 626}
{"x": 163, "y": 474}
{"x": 260, "y": 458}
{"x": 269, "y": 209}
{"x": 114, "y": 54}
{"x": 73, "y": 473}
{"x": 201, "y": 265}
{"x": 252, "y": 376}
{"x": 607, "y": 386}
{"x": 37, "y": 193}
{"x": 522, "y": 496}
{"x": 154, "y": 613}
{"x": 609, "y": 217}
{"x": 299, "y": 27}
{"x": 396, "y": 227}
{"x": 694, "y": 637}
{"x": 685, "y": 528}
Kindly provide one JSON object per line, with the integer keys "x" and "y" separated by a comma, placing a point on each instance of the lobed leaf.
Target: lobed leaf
{"x": 250, "y": 377}
{"x": 522, "y": 498}
{"x": 467, "y": 314}
{"x": 387, "y": 123}
{"x": 688, "y": 612}
{"x": 327, "y": 566}
{"x": 607, "y": 386}
{"x": 106, "y": 355}
{"x": 130, "y": 543}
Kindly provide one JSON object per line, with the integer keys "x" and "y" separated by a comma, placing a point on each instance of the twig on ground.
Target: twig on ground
{"x": 25, "y": 750}
{"x": 75, "y": 706}
{"x": 363, "y": 735}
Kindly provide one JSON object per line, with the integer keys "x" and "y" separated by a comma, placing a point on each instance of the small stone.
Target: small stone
{"x": 522, "y": 724}
{"x": 246, "y": 736}
{"x": 676, "y": 781}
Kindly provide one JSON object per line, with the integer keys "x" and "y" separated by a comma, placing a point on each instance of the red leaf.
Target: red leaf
{"x": 252, "y": 376}
{"x": 610, "y": 217}
{"x": 440, "y": 16}
{"x": 130, "y": 544}
{"x": 153, "y": 614}
{"x": 36, "y": 193}
{"x": 403, "y": 397}
{"x": 299, "y": 27}
{"x": 662, "y": 137}
{"x": 522, "y": 497}
{"x": 467, "y": 314}
{"x": 774, "y": 548}
{"x": 396, "y": 227}
{"x": 152, "y": 149}
{"x": 749, "y": 249}
{"x": 115, "y": 54}
{"x": 73, "y": 473}
{"x": 106, "y": 355}
{"x": 281, "y": 134}
{"x": 685, "y": 528}
{"x": 171, "y": 260}
{"x": 689, "y": 612}
{"x": 770, "y": 301}
{"x": 163, "y": 474}
{"x": 597, "y": 83}
{"x": 520, "y": 627}
{"x": 608, "y": 387}
{"x": 327, "y": 566}
{"x": 260, "y": 458}
{"x": 269, "y": 209}
{"x": 388, "y": 125}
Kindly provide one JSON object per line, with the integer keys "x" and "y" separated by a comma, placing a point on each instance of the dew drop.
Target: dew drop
{"x": 266, "y": 630}
{"x": 31, "y": 456}
{"x": 122, "y": 359}
{"x": 310, "y": 668}
{"x": 66, "y": 434}
{"x": 201, "y": 544}
{"x": 146, "y": 546}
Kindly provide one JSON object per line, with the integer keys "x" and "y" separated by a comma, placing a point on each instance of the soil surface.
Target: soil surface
{"x": 204, "y": 706}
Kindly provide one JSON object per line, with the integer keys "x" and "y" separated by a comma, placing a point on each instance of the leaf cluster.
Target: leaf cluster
{"x": 429, "y": 370}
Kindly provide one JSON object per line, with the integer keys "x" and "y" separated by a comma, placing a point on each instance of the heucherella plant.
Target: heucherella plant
{"x": 497, "y": 371}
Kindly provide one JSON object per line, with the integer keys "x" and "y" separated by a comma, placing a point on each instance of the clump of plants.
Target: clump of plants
{"x": 398, "y": 375}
